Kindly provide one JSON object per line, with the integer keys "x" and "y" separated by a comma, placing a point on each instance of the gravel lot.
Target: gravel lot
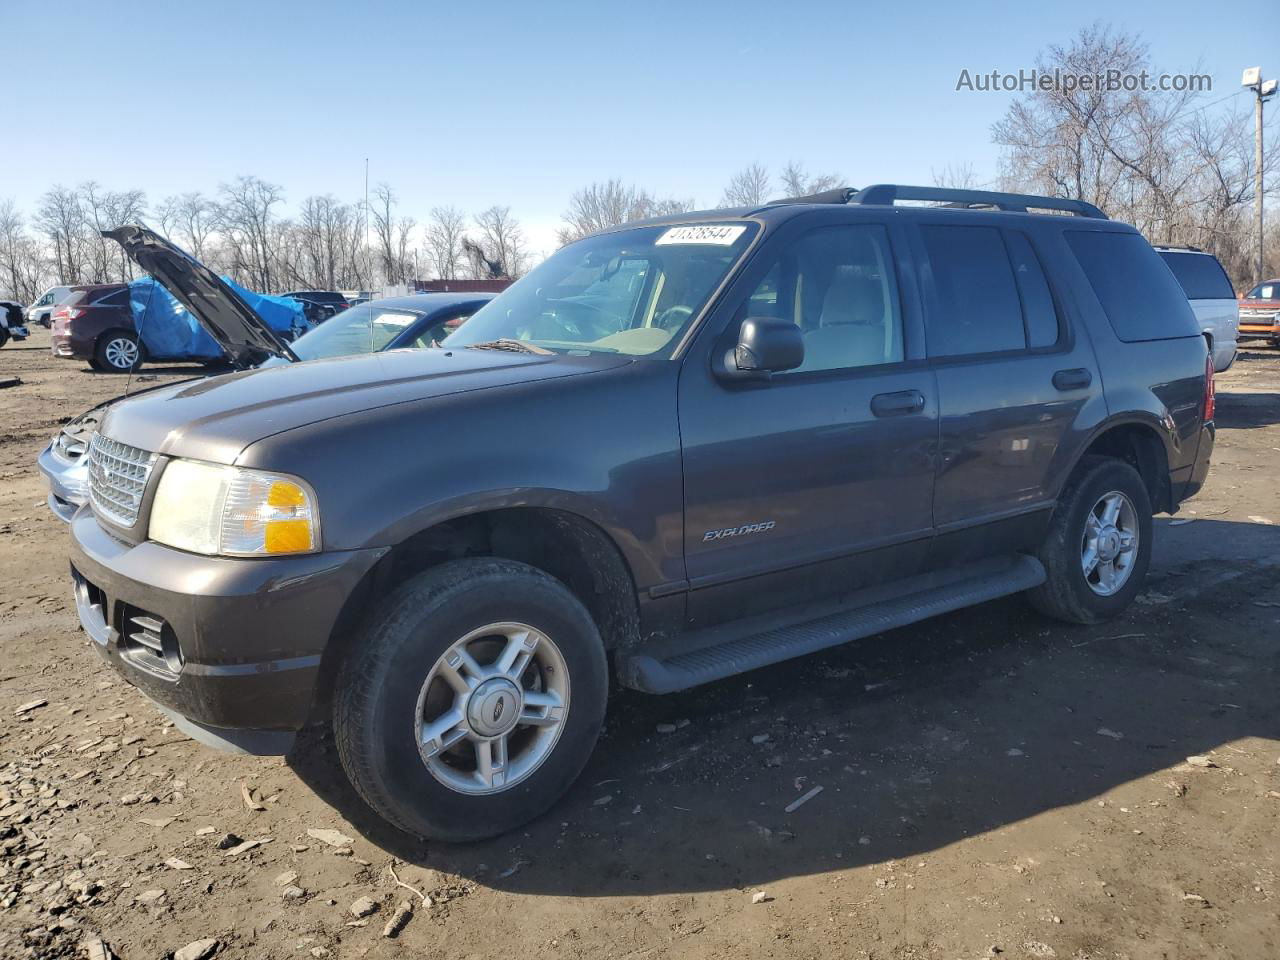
{"x": 992, "y": 783}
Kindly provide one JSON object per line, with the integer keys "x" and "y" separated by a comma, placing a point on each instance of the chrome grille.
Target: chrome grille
{"x": 118, "y": 476}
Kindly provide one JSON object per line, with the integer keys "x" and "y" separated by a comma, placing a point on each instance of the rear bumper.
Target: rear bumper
{"x": 1224, "y": 355}
{"x": 1200, "y": 470}
{"x": 242, "y": 639}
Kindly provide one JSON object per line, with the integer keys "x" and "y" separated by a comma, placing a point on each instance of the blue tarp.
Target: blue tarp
{"x": 167, "y": 329}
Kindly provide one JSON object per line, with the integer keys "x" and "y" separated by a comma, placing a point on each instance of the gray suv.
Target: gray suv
{"x": 679, "y": 449}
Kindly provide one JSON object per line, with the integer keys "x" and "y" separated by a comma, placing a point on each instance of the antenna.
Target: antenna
{"x": 368, "y": 248}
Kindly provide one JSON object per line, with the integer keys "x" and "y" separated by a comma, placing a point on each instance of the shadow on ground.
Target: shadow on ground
{"x": 919, "y": 737}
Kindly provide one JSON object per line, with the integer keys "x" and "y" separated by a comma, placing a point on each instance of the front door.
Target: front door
{"x": 820, "y": 480}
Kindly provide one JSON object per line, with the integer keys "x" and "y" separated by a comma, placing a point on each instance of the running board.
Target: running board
{"x": 647, "y": 673}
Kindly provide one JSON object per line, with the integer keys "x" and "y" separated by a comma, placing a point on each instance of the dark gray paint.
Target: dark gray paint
{"x": 654, "y": 451}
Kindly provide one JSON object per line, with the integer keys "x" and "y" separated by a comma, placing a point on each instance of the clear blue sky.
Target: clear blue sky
{"x": 520, "y": 103}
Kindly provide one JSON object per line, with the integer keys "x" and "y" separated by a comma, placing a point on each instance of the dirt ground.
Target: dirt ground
{"x": 993, "y": 783}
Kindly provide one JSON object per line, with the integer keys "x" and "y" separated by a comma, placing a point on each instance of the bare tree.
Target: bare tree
{"x": 394, "y": 235}
{"x": 1154, "y": 158}
{"x": 105, "y": 210}
{"x": 322, "y": 227}
{"x": 609, "y": 203}
{"x": 189, "y": 219}
{"x": 796, "y": 182}
{"x": 443, "y": 241}
{"x": 958, "y": 176}
{"x": 23, "y": 268}
{"x": 246, "y": 212}
{"x": 749, "y": 187}
{"x": 502, "y": 240}
{"x": 60, "y": 219}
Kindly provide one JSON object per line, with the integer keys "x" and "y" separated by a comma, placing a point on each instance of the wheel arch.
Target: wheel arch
{"x": 568, "y": 546}
{"x": 1140, "y": 443}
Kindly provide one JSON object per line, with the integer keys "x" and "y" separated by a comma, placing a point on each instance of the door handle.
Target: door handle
{"x": 1076, "y": 379}
{"x": 897, "y": 404}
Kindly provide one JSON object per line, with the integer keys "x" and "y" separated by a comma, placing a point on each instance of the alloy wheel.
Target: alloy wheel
{"x": 1109, "y": 547}
{"x": 121, "y": 353}
{"x": 492, "y": 708}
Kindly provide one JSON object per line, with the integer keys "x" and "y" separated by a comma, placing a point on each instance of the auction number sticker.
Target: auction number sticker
{"x": 720, "y": 235}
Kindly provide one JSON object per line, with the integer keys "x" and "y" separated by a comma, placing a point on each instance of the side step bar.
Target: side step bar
{"x": 644, "y": 672}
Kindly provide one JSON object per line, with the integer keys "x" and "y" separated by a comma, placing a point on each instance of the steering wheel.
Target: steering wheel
{"x": 673, "y": 317}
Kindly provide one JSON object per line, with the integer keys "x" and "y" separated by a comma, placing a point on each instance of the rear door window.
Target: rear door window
{"x": 1135, "y": 289}
{"x": 978, "y": 309}
{"x": 1200, "y": 275}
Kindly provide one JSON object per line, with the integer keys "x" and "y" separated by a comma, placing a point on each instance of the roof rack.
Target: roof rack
{"x": 836, "y": 195}
{"x": 887, "y": 193}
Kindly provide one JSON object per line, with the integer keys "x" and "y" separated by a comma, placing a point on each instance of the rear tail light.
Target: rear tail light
{"x": 1210, "y": 395}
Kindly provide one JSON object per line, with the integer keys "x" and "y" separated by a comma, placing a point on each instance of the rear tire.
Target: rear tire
{"x": 1080, "y": 534}
{"x": 417, "y": 724}
{"x": 118, "y": 352}
{"x": 4, "y": 336}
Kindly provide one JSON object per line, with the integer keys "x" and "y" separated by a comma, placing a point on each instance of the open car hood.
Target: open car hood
{"x": 219, "y": 309}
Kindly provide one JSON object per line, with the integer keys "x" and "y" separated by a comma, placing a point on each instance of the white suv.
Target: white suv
{"x": 1212, "y": 299}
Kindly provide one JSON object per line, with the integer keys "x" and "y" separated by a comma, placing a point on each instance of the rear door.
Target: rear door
{"x": 819, "y": 481}
{"x": 1012, "y": 379}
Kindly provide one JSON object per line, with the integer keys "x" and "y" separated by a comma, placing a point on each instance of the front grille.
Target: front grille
{"x": 118, "y": 476}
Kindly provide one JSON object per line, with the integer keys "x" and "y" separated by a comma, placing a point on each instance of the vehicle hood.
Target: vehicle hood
{"x": 216, "y": 418}
{"x": 231, "y": 322}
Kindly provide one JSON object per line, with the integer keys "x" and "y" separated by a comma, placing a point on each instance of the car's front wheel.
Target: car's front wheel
{"x": 1098, "y": 547}
{"x": 472, "y": 699}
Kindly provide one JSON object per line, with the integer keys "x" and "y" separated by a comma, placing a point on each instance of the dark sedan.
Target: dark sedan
{"x": 421, "y": 320}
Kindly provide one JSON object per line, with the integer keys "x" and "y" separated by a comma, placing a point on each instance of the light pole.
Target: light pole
{"x": 1262, "y": 90}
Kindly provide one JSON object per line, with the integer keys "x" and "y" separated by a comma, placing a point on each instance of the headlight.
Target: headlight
{"x": 213, "y": 509}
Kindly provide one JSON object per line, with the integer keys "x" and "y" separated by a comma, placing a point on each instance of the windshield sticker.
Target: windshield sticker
{"x": 393, "y": 319}
{"x": 720, "y": 235}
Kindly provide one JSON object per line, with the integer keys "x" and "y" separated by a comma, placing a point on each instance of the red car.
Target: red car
{"x": 1260, "y": 313}
{"x": 95, "y": 323}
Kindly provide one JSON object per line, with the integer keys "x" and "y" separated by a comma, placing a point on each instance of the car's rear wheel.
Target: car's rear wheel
{"x": 118, "y": 352}
{"x": 472, "y": 700}
{"x": 1098, "y": 547}
{"x": 4, "y": 336}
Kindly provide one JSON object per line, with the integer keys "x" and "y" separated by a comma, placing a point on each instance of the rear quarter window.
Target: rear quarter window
{"x": 119, "y": 298}
{"x": 1200, "y": 275}
{"x": 1135, "y": 289}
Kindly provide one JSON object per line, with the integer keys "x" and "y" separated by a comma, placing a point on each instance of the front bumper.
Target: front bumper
{"x": 67, "y": 482}
{"x": 242, "y": 639}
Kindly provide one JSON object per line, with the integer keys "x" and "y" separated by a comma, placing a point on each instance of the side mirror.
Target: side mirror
{"x": 765, "y": 345}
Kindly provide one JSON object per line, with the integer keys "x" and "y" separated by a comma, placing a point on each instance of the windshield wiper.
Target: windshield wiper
{"x": 509, "y": 343}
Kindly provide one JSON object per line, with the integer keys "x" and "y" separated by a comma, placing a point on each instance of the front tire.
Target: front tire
{"x": 472, "y": 700}
{"x": 1098, "y": 548}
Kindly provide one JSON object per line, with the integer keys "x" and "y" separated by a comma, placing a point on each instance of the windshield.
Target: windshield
{"x": 631, "y": 292}
{"x": 1265, "y": 291}
{"x": 366, "y": 328}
